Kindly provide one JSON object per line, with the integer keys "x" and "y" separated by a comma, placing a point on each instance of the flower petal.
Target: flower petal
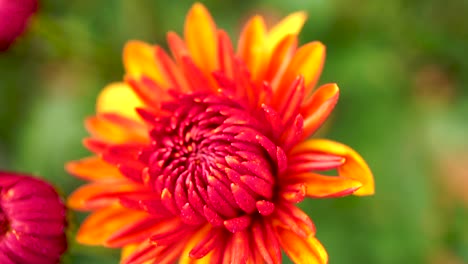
{"x": 307, "y": 61}
{"x": 251, "y": 47}
{"x": 201, "y": 38}
{"x": 128, "y": 250}
{"x": 320, "y": 186}
{"x": 139, "y": 60}
{"x": 290, "y": 216}
{"x": 94, "y": 169}
{"x": 172, "y": 73}
{"x": 302, "y": 250}
{"x": 281, "y": 57}
{"x": 141, "y": 253}
{"x": 266, "y": 242}
{"x": 135, "y": 232}
{"x": 148, "y": 253}
{"x": 177, "y": 46}
{"x": 100, "y": 225}
{"x": 116, "y": 129}
{"x": 119, "y": 98}
{"x": 354, "y": 166}
{"x": 226, "y": 55}
{"x": 238, "y": 249}
{"x": 200, "y": 245}
{"x": 98, "y": 194}
{"x": 290, "y": 25}
{"x": 195, "y": 77}
{"x": 318, "y": 107}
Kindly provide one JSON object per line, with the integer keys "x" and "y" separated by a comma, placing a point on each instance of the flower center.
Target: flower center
{"x": 212, "y": 161}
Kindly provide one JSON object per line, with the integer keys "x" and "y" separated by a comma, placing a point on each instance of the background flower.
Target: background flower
{"x": 32, "y": 221}
{"x": 402, "y": 105}
{"x": 14, "y": 17}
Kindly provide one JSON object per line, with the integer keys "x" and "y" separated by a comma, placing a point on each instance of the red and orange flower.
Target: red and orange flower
{"x": 201, "y": 156}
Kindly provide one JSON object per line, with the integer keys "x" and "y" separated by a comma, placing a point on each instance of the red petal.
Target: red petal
{"x": 302, "y": 250}
{"x": 318, "y": 107}
{"x": 93, "y": 169}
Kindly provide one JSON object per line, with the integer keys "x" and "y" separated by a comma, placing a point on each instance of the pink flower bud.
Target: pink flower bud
{"x": 14, "y": 16}
{"x": 32, "y": 221}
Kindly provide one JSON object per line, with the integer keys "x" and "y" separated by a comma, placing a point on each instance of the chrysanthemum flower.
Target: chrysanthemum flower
{"x": 202, "y": 156}
{"x": 14, "y": 16}
{"x": 32, "y": 221}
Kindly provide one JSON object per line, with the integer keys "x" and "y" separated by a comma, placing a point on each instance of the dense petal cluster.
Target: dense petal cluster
{"x": 32, "y": 221}
{"x": 14, "y": 16}
{"x": 202, "y": 155}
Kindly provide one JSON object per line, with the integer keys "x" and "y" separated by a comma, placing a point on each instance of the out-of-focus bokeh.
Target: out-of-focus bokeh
{"x": 402, "y": 67}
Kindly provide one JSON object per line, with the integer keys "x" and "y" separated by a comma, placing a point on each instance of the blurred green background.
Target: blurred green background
{"x": 403, "y": 71}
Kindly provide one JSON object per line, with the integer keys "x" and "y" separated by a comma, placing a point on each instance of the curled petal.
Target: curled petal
{"x": 318, "y": 107}
{"x": 119, "y": 98}
{"x": 302, "y": 250}
{"x": 307, "y": 162}
{"x": 320, "y": 186}
{"x": 354, "y": 166}
{"x": 293, "y": 193}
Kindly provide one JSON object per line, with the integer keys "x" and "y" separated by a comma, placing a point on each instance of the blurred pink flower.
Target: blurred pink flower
{"x": 14, "y": 16}
{"x": 32, "y": 221}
